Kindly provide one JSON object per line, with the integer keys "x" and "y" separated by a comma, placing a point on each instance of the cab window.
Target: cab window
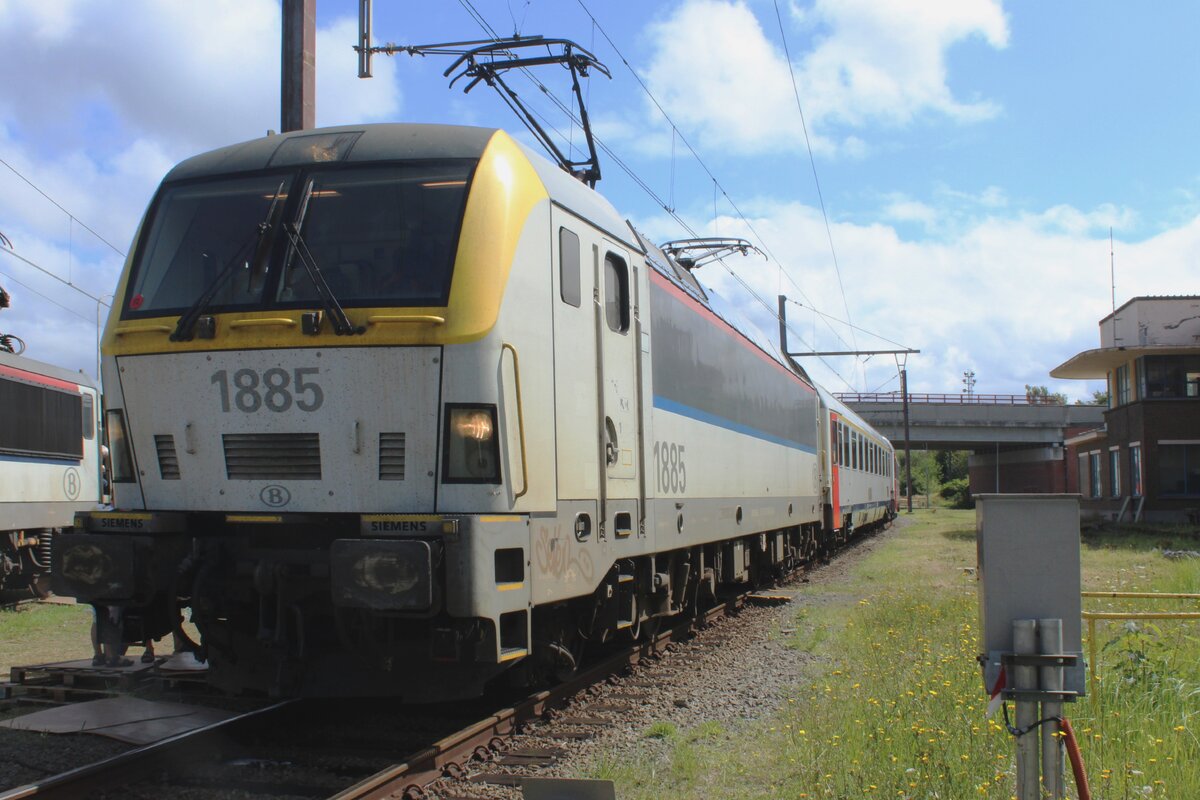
{"x": 616, "y": 293}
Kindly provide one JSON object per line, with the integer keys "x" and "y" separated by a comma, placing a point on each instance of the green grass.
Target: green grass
{"x": 894, "y": 706}
{"x": 36, "y": 633}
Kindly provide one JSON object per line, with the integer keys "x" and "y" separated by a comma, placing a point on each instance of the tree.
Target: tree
{"x": 1099, "y": 398}
{"x": 953, "y": 464}
{"x": 925, "y": 471}
{"x": 1040, "y": 395}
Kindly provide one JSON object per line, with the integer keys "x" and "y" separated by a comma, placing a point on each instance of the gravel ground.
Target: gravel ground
{"x": 735, "y": 672}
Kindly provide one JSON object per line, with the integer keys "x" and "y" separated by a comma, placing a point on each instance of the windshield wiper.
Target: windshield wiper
{"x": 342, "y": 325}
{"x": 185, "y": 328}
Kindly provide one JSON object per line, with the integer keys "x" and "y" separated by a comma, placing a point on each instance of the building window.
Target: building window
{"x": 1094, "y": 473}
{"x": 1135, "y": 470}
{"x": 1114, "y": 473}
{"x": 1178, "y": 470}
{"x": 1123, "y": 386}
{"x": 1083, "y": 472}
{"x": 1171, "y": 377}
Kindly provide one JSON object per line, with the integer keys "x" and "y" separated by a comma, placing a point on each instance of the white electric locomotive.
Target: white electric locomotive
{"x": 49, "y": 463}
{"x": 398, "y": 408}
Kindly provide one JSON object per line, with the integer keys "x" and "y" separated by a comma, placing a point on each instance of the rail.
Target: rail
{"x": 1091, "y": 617}
{"x": 119, "y": 769}
{"x": 949, "y": 399}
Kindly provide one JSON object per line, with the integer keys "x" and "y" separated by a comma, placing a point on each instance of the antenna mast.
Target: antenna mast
{"x": 1112, "y": 274}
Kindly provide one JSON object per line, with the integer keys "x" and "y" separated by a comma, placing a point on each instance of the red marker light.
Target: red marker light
{"x": 136, "y": 302}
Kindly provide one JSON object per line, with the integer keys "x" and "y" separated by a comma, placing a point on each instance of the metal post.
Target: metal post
{"x": 298, "y": 102}
{"x": 928, "y": 500}
{"x": 1050, "y": 642}
{"x": 1025, "y": 679}
{"x": 907, "y": 454}
{"x": 997, "y": 468}
{"x": 364, "y": 38}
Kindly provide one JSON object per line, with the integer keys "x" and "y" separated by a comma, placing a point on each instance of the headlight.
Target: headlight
{"x": 470, "y": 453}
{"x": 118, "y": 447}
{"x": 475, "y": 425}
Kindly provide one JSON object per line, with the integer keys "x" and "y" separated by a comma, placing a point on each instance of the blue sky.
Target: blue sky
{"x": 972, "y": 154}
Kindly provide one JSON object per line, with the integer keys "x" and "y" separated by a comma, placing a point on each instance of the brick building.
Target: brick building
{"x": 1144, "y": 462}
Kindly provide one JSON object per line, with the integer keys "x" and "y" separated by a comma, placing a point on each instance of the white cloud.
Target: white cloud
{"x": 903, "y": 209}
{"x": 718, "y": 70}
{"x": 131, "y": 68}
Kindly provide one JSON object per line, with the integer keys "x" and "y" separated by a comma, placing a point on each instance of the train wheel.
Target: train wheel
{"x": 634, "y": 629}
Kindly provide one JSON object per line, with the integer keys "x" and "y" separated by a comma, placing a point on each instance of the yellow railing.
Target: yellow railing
{"x": 1092, "y": 616}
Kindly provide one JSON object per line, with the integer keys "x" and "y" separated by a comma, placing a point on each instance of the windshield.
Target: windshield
{"x": 382, "y": 235}
{"x": 198, "y": 230}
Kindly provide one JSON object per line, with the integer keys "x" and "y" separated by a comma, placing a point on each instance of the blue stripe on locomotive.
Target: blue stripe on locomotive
{"x": 674, "y": 407}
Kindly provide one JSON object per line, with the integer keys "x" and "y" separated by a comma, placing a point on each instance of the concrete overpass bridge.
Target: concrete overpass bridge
{"x": 973, "y": 422}
{"x": 1015, "y": 440}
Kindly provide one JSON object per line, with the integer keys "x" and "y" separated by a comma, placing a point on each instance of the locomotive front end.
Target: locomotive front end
{"x": 307, "y": 414}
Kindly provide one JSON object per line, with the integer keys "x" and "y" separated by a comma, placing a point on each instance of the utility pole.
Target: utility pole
{"x": 969, "y": 384}
{"x": 298, "y": 100}
{"x": 907, "y": 453}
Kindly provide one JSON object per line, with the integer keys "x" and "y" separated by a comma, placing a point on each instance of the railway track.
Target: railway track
{"x": 254, "y": 752}
{"x": 359, "y": 752}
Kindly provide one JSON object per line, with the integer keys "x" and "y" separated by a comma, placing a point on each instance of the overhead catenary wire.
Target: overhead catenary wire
{"x": 813, "y": 163}
{"x": 798, "y": 304}
{"x": 48, "y": 298}
{"x": 59, "y": 206}
{"x": 42, "y": 269}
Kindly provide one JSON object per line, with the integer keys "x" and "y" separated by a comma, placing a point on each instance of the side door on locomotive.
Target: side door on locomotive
{"x": 598, "y": 415}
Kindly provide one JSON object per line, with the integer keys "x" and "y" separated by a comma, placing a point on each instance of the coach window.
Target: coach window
{"x": 568, "y": 267}
{"x": 89, "y": 416}
{"x": 616, "y": 293}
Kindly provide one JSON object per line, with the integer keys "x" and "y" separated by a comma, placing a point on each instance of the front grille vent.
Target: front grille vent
{"x": 168, "y": 461}
{"x": 272, "y": 456}
{"x": 391, "y": 456}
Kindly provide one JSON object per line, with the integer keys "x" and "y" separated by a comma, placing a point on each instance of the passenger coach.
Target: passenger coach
{"x": 49, "y": 463}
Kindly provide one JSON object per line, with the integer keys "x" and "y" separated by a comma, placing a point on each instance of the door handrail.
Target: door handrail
{"x": 520, "y": 420}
